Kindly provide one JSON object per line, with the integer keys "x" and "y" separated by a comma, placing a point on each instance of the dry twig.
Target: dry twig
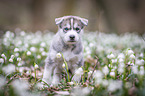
{"x": 93, "y": 69}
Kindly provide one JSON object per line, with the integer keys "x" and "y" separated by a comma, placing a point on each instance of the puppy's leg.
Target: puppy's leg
{"x": 80, "y": 62}
{"x": 77, "y": 65}
{"x": 48, "y": 70}
{"x": 56, "y": 76}
{"x": 77, "y": 77}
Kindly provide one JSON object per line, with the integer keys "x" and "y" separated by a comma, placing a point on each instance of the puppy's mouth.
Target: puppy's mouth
{"x": 71, "y": 42}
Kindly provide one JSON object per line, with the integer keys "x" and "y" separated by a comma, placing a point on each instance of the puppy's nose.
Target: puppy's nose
{"x": 72, "y": 37}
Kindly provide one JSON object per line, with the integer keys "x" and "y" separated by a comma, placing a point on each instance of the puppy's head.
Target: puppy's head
{"x": 71, "y": 28}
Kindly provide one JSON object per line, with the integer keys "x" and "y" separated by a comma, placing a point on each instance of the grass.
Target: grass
{"x": 114, "y": 65}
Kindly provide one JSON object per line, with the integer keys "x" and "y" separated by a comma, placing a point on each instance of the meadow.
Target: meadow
{"x": 114, "y": 65}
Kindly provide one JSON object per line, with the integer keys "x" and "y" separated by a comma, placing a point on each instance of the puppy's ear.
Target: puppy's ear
{"x": 84, "y": 21}
{"x": 58, "y": 20}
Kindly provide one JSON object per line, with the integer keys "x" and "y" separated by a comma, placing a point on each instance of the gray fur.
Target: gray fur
{"x": 71, "y": 48}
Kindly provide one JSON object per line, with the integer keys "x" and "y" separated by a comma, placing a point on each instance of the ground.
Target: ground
{"x": 114, "y": 65}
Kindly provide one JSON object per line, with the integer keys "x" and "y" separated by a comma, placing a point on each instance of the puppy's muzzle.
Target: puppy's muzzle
{"x": 72, "y": 37}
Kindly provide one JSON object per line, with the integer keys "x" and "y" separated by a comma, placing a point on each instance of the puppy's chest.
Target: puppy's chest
{"x": 69, "y": 55}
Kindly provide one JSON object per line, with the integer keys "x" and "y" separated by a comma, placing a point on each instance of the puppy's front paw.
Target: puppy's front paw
{"x": 41, "y": 85}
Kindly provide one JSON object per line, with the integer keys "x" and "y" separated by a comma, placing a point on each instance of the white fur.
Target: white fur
{"x": 71, "y": 50}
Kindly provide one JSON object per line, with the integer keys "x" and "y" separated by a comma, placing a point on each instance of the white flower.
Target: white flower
{"x": 16, "y": 50}
{"x": 141, "y": 72}
{"x": 40, "y": 74}
{"x": 121, "y": 65}
{"x": 135, "y": 69}
{"x": 1, "y": 60}
{"x": 114, "y": 85}
{"x": 26, "y": 45}
{"x": 111, "y": 56}
{"x": 43, "y": 44}
{"x": 4, "y": 56}
{"x": 16, "y": 54}
{"x": 129, "y": 52}
{"x": 89, "y": 57}
{"x": 98, "y": 74}
{"x": 79, "y": 71}
{"x": 20, "y": 64}
{"x": 18, "y": 44}
{"x": 139, "y": 62}
{"x": 112, "y": 74}
{"x": 63, "y": 65}
{"x": 105, "y": 70}
{"x": 62, "y": 93}
{"x": 41, "y": 49}
{"x": 78, "y": 91}
{"x": 58, "y": 55}
{"x": 21, "y": 69}
{"x": 70, "y": 83}
{"x": 9, "y": 69}
{"x": 120, "y": 70}
{"x": 129, "y": 63}
{"x": 114, "y": 60}
{"x": 10, "y": 60}
{"x": 43, "y": 53}
{"x": 91, "y": 45}
{"x": 142, "y": 60}
{"x": 28, "y": 53}
{"x": 18, "y": 59}
{"x": 121, "y": 56}
{"x": 87, "y": 49}
{"x": 132, "y": 64}
{"x": 132, "y": 56}
{"x": 141, "y": 55}
{"x": 12, "y": 56}
{"x": 36, "y": 66}
{"x": 113, "y": 69}
{"x": 38, "y": 57}
{"x": 33, "y": 49}
{"x": 22, "y": 33}
{"x": 9, "y": 34}
{"x": 88, "y": 52}
{"x": 28, "y": 72}
{"x": 121, "y": 60}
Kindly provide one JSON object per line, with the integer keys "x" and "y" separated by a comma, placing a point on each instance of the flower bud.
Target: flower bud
{"x": 112, "y": 74}
{"x": 63, "y": 65}
{"x": 58, "y": 55}
{"x": 36, "y": 66}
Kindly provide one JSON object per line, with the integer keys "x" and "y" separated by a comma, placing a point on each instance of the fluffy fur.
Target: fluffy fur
{"x": 68, "y": 41}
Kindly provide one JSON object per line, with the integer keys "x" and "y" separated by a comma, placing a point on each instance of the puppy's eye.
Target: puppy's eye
{"x": 77, "y": 29}
{"x": 66, "y": 29}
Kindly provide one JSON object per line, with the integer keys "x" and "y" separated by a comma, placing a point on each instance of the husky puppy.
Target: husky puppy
{"x": 68, "y": 41}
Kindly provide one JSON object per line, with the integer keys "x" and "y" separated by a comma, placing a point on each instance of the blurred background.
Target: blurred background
{"x": 117, "y": 16}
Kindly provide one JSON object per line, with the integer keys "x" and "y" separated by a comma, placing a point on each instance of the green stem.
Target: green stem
{"x": 35, "y": 74}
{"x": 66, "y": 66}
